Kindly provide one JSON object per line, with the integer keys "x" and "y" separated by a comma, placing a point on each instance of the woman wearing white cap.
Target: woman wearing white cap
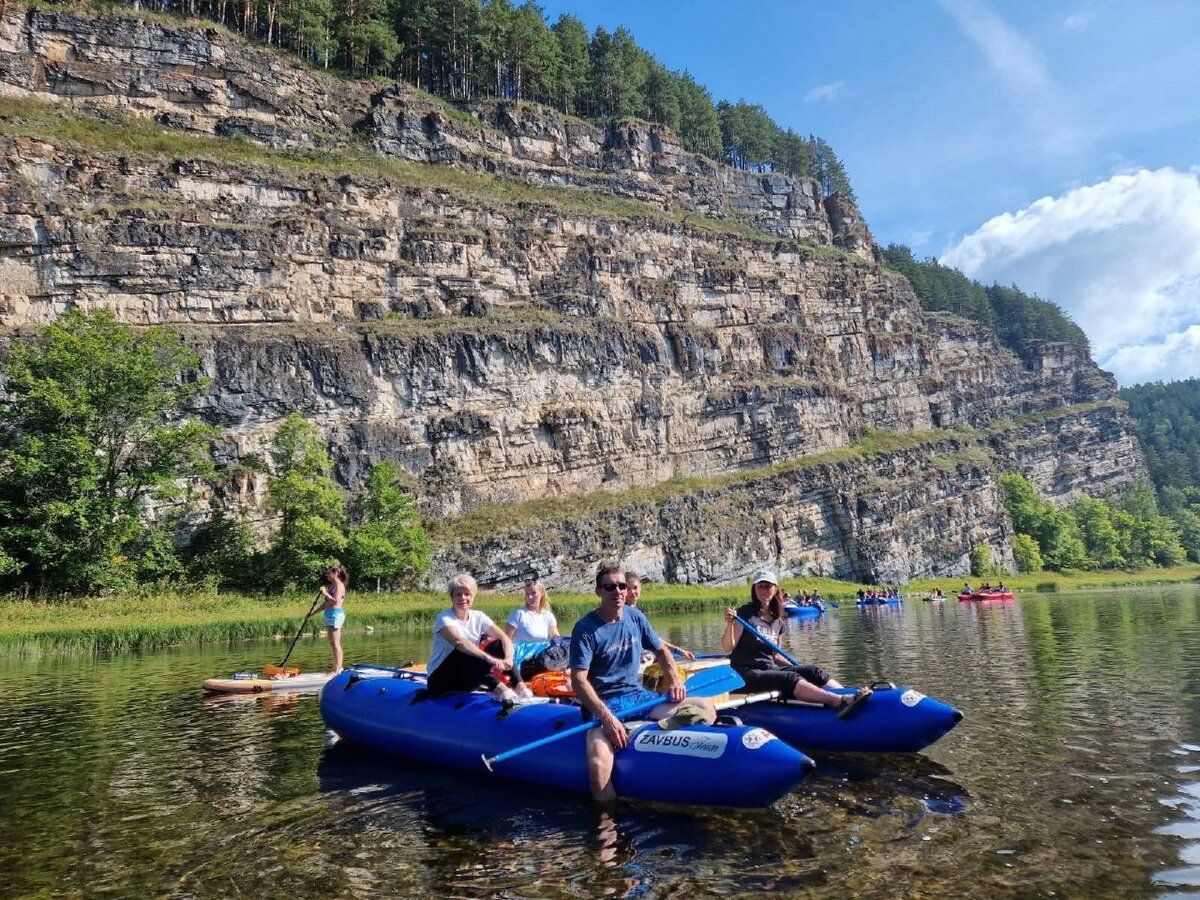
{"x": 765, "y": 670}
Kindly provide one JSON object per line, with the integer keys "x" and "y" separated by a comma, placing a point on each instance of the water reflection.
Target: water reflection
{"x": 1186, "y": 803}
{"x": 1076, "y": 772}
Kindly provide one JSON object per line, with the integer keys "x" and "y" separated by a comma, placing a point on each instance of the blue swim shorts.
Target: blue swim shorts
{"x": 334, "y": 618}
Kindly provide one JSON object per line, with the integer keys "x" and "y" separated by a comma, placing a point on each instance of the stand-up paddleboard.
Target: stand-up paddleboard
{"x": 256, "y": 683}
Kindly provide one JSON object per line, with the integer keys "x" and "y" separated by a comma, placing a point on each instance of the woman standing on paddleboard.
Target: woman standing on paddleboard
{"x": 334, "y": 592}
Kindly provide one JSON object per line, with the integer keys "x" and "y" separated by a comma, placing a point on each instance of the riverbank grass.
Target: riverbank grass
{"x": 136, "y": 622}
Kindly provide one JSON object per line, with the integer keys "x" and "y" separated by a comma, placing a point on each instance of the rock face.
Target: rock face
{"x": 524, "y": 306}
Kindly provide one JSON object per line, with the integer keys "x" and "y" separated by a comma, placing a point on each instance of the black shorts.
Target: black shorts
{"x": 783, "y": 679}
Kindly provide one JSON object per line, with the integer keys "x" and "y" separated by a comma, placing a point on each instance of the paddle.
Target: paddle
{"x": 748, "y": 699}
{"x": 762, "y": 637}
{"x": 705, "y": 683}
{"x": 404, "y": 670}
{"x": 279, "y": 669}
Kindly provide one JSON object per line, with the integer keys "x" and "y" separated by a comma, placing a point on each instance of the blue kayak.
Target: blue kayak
{"x": 894, "y": 720}
{"x": 708, "y": 765}
{"x": 891, "y": 601}
{"x": 803, "y": 612}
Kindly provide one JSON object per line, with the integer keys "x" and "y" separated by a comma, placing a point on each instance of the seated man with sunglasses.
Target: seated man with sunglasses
{"x": 606, "y": 652}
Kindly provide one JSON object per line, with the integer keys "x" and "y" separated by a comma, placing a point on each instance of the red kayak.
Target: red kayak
{"x": 987, "y": 595}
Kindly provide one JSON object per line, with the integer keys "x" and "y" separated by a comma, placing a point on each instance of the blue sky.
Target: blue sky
{"x": 1055, "y": 145}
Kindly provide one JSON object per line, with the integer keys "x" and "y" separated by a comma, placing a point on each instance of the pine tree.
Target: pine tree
{"x": 575, "y": 86}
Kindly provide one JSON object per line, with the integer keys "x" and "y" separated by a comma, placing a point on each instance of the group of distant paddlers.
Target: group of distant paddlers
{"x": 605, "y": 656}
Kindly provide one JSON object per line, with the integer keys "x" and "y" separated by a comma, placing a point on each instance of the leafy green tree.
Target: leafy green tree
{"x": 1025, "y": 507}
{"x": 390, "y": 545}
{"x": 981, "y": 561}
{"x": 1100, "y": 536}
{"x": 311, "y": 506}
{"x": 91, "y": 435}
{"x": 221, "y": 552}
{"x": 1188, "y": 521}
{"x": 1061, "y": 543}
{"x": 1026, "y": 554}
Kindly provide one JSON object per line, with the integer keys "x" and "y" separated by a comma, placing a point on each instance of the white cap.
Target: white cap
{"x": 764, "y": 575}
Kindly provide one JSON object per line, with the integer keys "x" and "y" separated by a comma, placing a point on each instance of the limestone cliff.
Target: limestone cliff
{"x": 518, "y": 305}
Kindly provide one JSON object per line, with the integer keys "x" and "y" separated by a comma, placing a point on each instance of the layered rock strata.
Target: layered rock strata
{"x": 550, "y": 341}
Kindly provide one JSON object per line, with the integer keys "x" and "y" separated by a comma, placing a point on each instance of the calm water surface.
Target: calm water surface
{"x": 1076, "y": 773}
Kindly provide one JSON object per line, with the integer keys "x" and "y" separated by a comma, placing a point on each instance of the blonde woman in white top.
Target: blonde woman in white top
{"x": 534, "y": 621}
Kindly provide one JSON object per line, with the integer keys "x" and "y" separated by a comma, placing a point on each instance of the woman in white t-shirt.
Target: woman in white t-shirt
{"x": 457, "y": 662}
{"x": 534, "y": 621}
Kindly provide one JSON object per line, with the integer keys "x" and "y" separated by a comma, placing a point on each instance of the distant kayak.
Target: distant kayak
{"x": 987, "y": 595}
{"x": 888, "y": 601}
{"x": 255, "y": 683}
{"x": 803, "y": 612}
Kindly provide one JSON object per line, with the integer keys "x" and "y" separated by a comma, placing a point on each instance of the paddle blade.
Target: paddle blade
{"x": 714, "y": 682}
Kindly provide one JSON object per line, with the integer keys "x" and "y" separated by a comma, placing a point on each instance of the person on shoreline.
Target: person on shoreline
{"x": 337, "y": 579}
{"x": 765, "y": 670}
{"x": 457, "y": 662}
{"x": 633, "y": 593}
{"x": 606, "y": 650}
{"x": 534, "y": 621}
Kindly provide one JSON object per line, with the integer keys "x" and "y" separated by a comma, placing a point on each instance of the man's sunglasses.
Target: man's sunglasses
{"x": 613, "y": 586}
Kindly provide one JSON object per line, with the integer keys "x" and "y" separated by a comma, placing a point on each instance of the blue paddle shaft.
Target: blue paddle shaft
{"x": 706, "y": 683}
{"x": 762, "y": 637}
{"x": 586, "y": 726}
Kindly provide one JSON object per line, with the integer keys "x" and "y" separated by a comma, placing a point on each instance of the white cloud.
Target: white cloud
{"x": 825, "y": 93}
{"x": 1050, "y": 125}
{"x": 1077, "y": 21}
{"x": 1171, "y": 359}
{"x": 1006, "y": 51}
{"x": 1122, "y": 257}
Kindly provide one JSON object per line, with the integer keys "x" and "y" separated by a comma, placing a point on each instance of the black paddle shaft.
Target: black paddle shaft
{"x": 300, "y": 631}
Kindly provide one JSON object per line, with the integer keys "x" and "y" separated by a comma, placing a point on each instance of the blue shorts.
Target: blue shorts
{"x": 334, "y": 618}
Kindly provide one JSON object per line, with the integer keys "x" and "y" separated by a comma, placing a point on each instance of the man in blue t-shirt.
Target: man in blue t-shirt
{"x": 606, "y": 654}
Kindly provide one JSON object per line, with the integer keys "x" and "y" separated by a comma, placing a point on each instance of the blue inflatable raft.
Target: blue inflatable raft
{"x": 803, "y": 612}
{"x": 709, "y": 765}
{"x": 889, "y": 601}
{"x": 894, "y": 720}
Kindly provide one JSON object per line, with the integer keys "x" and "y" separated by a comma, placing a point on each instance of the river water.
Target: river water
{"x": 1076, "y": 772}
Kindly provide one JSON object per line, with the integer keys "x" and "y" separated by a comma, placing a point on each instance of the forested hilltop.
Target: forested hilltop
{"x": 1022, "y": 321}
{"x": 1167, "y": 417}
{"x": 465, "y": 50}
